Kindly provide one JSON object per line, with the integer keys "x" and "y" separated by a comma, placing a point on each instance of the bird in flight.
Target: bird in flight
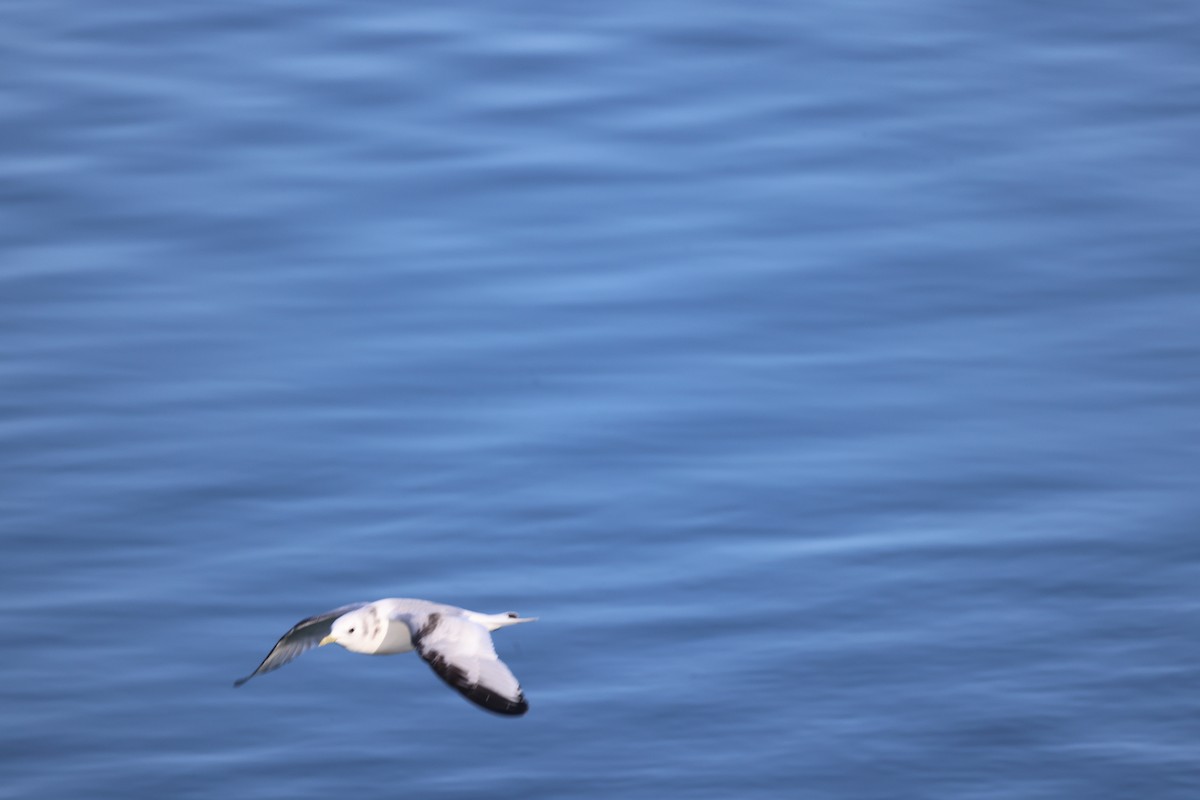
{"x": 455, "y": 642}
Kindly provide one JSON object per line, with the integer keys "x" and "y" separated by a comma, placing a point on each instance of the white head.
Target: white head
{"x": 358, "y": 631}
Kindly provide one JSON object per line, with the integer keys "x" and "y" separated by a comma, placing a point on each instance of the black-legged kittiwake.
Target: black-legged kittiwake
{"x": 456, "y": 642}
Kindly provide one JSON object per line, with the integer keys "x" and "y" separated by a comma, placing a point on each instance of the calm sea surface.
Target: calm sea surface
{"x": 825, "y": 376}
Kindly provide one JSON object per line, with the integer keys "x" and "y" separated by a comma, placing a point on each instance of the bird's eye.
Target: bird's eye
{"x": 350, "y": 631}
{"x": 512, "y": 615}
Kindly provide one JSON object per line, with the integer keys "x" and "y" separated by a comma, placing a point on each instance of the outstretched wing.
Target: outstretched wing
{"x": 461, "y": 653}
{"x": 304, "y": 635}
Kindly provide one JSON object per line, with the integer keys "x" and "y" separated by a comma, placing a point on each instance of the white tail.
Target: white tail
{"x": 497, "y": 621}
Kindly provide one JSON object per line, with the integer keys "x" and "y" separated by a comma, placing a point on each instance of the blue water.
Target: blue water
{"x": 824, "y": 376}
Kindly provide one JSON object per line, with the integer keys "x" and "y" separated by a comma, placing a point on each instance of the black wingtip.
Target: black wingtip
{"x": 240, "y": 681}
{"x": 497, "y": 704}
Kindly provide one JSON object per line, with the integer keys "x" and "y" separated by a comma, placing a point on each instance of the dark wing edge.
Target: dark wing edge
{"x": 303, "y": 636}
{"x": 457, "y": 677}
{"x": 477, "y": 693}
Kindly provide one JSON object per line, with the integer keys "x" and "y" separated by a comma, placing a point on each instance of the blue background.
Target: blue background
{"x": 824, "y": 375}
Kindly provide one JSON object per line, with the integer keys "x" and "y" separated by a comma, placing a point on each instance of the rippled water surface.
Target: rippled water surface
{"x": 824, "y": 376}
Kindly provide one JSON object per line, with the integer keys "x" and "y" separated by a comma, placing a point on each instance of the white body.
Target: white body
{"x": 383, "y": 628}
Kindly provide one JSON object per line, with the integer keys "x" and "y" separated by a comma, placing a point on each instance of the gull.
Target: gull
{"x": 455, "y": 642}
